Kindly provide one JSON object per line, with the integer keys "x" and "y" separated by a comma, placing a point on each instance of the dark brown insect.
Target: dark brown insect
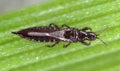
{"x": 53, "y": 33}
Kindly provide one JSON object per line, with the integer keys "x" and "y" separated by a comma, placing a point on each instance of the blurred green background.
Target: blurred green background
{"x": 11, "y": 5}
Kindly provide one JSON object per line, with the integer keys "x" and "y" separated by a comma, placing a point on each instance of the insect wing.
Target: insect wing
{"x": 37, "y": 34}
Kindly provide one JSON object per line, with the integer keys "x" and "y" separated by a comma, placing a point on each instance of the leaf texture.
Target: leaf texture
{"x": 17, "y": 54}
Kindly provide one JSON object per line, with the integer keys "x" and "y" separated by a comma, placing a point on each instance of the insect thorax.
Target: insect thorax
{"x": 71, "y": 34}
{"x": 68, "y": 35}
{"x": 60, "y": 35}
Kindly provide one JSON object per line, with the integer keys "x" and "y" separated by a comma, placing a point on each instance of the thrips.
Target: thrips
{"x": 53, "y": 33}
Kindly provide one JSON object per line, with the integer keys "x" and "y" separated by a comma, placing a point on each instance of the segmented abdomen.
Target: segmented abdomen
{"x": 44, "y": 29}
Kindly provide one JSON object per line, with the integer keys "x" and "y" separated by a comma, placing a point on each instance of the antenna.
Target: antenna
{"x": 101, "y": 41}
{"x": 101, "y": 33}
{"x": 103, "y": 30}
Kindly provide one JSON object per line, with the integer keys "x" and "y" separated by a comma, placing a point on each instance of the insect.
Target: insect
{"x": 53, "y": 33}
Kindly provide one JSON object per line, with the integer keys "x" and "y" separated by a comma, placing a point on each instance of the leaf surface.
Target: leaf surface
{"x": 17, "y": 54}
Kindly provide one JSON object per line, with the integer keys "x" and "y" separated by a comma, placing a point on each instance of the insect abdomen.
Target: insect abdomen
{"x": 41, "y": 38}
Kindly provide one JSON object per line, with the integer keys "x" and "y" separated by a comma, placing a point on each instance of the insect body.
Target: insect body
{"x": 53, "y": 33}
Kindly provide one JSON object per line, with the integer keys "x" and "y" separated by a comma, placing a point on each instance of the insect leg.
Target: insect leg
{"x": 53, "y": 25}
{"x": 85, "y": 43}
{"x": 52, "y": 45}
{"x": 65, "y": 46}
{"x": 64, "y": 25}
{"x": 87, "y": 28}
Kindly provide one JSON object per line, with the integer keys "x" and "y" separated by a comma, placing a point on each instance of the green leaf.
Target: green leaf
{"x": 18, "y": 54}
